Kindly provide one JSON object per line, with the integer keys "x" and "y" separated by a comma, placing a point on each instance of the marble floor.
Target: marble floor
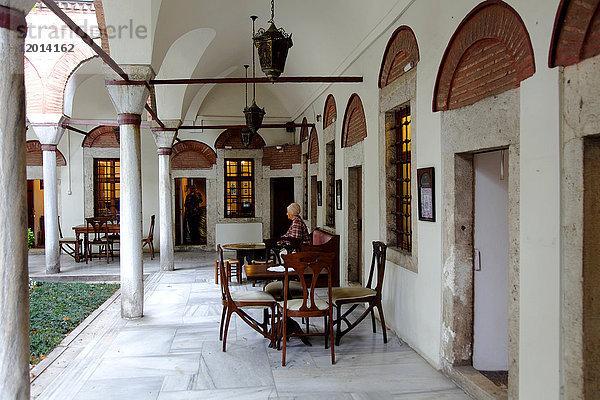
{"x": 173, "y": 352}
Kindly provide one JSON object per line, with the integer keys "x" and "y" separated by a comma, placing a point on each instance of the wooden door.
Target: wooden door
{"x": 282, "y": 195}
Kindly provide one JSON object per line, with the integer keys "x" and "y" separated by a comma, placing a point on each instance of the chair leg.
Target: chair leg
{"x": 382, "y": 321}
{"x": 373, "y": 321}
{"x": 331, "y": 334}
{"x": 151, "y": 250}
{"x": 339, "y": 325}
{"x": 284, "y": 337}
{"x": 216, "y": 272}
{"x": 326, "y": 329}
{"x": 229, "y": 312}
{"x": 222, "y": 321}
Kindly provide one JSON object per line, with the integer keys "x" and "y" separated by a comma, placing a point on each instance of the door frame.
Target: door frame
{"x": 352, "y": 213}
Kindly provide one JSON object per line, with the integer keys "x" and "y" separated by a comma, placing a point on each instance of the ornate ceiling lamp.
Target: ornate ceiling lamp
{"x": 272, "y": 45}
{"x": 254, "y": 114}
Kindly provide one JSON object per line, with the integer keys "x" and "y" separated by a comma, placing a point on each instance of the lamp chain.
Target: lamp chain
{"x": 272, "y": 12}
{"x": 246, "y": 66}
{"x": 253, "y": 66}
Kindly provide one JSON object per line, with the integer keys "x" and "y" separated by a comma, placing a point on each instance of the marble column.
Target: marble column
{"x": 164, "y": 138}
{"x": 50, "y": 134}
{"x": 129, "y": 99}
{"x": 14, "y": 294}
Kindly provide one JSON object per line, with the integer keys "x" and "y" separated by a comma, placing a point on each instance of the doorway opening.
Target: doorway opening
{"x": 491, "y": 266}
{"x": 282, "y": 195}
{"x": 591, "y": 272}
{"x": 35, "y": 210}
{"x": 355, "y": 237}
{"x": 190, "y": 211}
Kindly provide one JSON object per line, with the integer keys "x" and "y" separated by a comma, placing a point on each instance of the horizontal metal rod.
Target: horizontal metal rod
{"x": 288, "y": 79}
{"x": 263, "y": 126}
{"x": 74, "y": 129}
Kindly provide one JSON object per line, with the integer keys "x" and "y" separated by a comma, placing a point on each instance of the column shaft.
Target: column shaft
{"x": 51, "y": 244}
{"x": 14, "y": 294}
{"x": 132, "y": 287}
{"x": 167, "y": 248}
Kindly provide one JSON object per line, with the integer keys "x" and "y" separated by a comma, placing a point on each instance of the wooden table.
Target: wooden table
{"x": 245, "y": 250}
{"x": 85, "y": 230}
{"x": 260, "y": 272}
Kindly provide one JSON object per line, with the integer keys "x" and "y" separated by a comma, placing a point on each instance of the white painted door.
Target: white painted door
{"x": 490, "y": 325}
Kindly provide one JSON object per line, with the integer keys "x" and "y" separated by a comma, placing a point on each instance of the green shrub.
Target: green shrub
{"x": 30, "y": 238}
{"x": 56, "y": 308}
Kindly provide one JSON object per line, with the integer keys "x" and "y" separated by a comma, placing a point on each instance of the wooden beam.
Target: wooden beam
{"x": 264, "y": 126}
{"x": 289, "y": 79}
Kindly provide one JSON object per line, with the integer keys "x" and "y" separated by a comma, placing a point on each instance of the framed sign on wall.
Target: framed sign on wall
{"x": 338, "y": 194}
{"x": 426, "y": 192}
{"x": 319, "y": 193}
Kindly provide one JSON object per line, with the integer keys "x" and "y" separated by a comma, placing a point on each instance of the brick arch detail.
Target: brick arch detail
{"x": 576, "y": 33}
{"x": 330, "y": 111}
{"x": 304, "y": 130}
{"x": 489, "y": 53}
{"x": 191, "y": 154}
{"x": 102, "y": 136}
{"x": 401, "y": 49}
{"x": 35, "y": 89}
{"x": 231, "y": 137}
{"x": 313, "y": 147}
{"x": 35, "y": 158}
{"x": 354, "y": 129}
{"x": 58, "y": 77}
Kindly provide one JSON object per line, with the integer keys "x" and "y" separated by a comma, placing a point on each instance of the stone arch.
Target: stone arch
{"x": 401, "y": 50}
{"x": 330, "y": 111}
{"x": 304, "y": 130}
{"x": 576, "y": 33}
{"x": 232, "y": 137}
{"x": 313, "y": 147}
{"x": 102, "y": 136}
{"x": 35, "y": 89}
{"x": 59, "y": 76}
{"x": 354, "y": 129}
{"x": 34, "y": 157}
{"x": 489, "y": 53}
{"x": 191, "y": 154}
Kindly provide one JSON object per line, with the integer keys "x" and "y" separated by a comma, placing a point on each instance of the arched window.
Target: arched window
{"x": 354, "y": 129}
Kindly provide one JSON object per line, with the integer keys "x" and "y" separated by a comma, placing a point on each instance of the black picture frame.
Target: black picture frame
{"x": 338, "y": 194}
{"x": 319, "y": 193}
{"x": 426, "y": 193}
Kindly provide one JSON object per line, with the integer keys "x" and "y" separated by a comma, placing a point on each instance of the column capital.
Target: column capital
{"x": 47, "y": 127}
{"x": 164, "y": 137}
{"x": 129, "y": 97}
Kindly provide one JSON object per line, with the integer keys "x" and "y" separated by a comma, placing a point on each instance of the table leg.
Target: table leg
{"x": 77, "y": 247}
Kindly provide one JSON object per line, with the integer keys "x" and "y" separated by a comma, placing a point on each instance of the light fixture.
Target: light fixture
{"x": 272, "y": 45}
{"x": 254, "y": 114}
{"x": 117, "y": 133}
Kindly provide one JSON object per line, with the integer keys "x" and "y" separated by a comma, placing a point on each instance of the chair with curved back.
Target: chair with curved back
{"x": 237, "y": 302}
{"x": 308, "y": 266}
{"x": 97, "y": 236}
{"x": 148, "y": 240}
{"x": 357, "y": 295}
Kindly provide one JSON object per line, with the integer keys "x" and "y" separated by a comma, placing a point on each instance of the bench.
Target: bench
{"x": 329, "y": 243}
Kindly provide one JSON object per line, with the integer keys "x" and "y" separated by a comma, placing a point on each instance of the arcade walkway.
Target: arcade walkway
{"x": 174, "y": 351}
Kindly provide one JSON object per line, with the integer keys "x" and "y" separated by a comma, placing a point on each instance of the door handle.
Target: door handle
{"x": 476, "y": 260}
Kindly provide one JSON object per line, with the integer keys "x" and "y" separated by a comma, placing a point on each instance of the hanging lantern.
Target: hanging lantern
{"x": 272, "y": 45}
{"x": 117, "y": 133}
{"x": 254, "y": 117}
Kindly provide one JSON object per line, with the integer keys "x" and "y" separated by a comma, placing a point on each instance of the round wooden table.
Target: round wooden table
{"x": 245, "y": 250}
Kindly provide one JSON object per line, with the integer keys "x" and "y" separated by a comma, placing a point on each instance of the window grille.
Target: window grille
{"x": 330, "y": 220}
{"x": 305, "y": 165}
{"x": 402, "y": 163}
{"x": 107, "y": 187}
{"x": 239, "y": 188}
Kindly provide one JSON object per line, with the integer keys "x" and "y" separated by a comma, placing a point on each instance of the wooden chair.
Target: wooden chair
{"x": 236, "y": 302}
{"x": 98, "y": 237}
{"x": 357, "y": 295}
{"x": 272, "y": 248}
{"x": 308, "y": 266}
{"x": 233, "y": 268}
{"x": 70, "y": 245}
{"x": 148, "y": 240}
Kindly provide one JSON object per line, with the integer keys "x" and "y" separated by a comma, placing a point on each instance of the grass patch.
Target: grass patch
{"x": 56, "y": 308}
